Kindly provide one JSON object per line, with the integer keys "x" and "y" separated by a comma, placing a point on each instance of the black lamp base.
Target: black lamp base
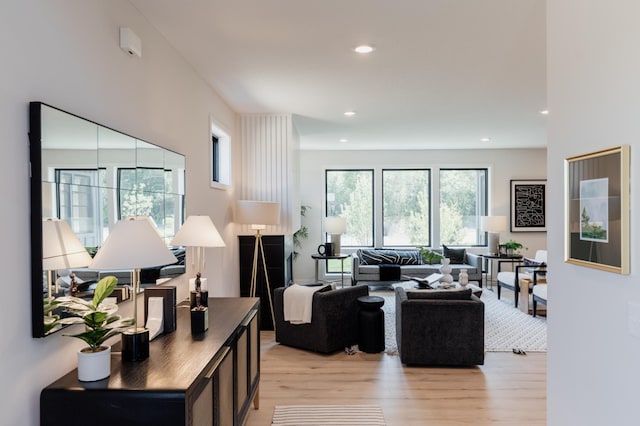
{"x": 199, "y": 320}
{"x": 135, "y": 344}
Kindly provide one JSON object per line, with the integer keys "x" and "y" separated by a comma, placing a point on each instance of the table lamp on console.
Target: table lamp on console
{"x": 197, "y": 233}
{"x": 133, "y": 244}
{"x": 61, "y": 249}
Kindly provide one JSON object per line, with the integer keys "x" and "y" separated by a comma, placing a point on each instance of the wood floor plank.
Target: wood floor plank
{"x": 508, "y": 390}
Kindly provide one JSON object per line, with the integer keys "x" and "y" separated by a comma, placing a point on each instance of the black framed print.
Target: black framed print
{"x": 528, "y": 205}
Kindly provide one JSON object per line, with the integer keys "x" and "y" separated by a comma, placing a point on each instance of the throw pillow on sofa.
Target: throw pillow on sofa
{"x": 458, "y": 294}
{"x": 456, "y": 255}
{"x": 391, "y": 257}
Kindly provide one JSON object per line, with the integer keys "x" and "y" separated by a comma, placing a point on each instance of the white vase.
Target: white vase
{"x": 445, "y": 270}
{"x": 463, "y": 277}
{"x": 94, "y": 366}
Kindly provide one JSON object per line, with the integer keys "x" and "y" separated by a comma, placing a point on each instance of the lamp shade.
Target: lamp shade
{"x": 335, "y": 225}
{"x": 257, "y": 212}
{"x": 61, "y": 248}
{"x": 493, "y": 224}
{"x": 132, "y": 244}
{"x": 198, "y": 231}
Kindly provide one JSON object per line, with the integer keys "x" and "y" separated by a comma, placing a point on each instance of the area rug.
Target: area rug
{"x": 505, "y": 327}
{"x": 344, "y": 415}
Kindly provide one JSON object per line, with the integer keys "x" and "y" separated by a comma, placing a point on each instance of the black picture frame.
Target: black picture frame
{"x": 528, "y": 205}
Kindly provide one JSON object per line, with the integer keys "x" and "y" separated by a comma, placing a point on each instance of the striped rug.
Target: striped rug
{"x": 342, "y": 415}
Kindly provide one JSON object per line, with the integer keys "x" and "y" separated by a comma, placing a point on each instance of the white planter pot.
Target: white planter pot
{"x": 94, "y": 366}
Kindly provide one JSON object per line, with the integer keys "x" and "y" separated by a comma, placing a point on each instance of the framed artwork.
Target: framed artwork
{"x": 597, "y": 210}
{"x": 528, "y": 205}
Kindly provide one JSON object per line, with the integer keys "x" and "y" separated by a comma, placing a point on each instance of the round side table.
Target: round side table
{"x": 371, "y": 324}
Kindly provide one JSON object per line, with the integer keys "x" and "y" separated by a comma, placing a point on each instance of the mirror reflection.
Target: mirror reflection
{"x": 86, "y": 177}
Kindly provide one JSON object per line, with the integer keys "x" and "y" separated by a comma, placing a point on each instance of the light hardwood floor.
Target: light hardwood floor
{"x": 508, "y": 390}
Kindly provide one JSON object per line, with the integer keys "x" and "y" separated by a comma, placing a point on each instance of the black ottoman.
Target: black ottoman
{"x": 371, "y": 324}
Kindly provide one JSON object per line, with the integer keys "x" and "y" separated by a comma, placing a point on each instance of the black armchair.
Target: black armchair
{"x": 334, "y": 322}
{"x": 445, "y": 329}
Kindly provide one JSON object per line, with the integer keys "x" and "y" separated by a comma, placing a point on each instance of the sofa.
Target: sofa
{"x": 389, "y": 265}
{"x": 439, "y": 327}
{"x": 334, "y": 321}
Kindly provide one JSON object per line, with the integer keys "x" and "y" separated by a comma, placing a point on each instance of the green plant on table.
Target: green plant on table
{"x": 429, "y": 256}
{"x": 99, "y": 319}
{"x": 512, "y": 246}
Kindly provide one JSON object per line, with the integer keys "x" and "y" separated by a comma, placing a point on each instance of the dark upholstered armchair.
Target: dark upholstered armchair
{"x": 440, "y": 327}
{"x": 334, "y": 322}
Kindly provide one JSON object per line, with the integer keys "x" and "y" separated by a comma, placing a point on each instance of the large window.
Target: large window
{"x": 463, "y": 199}
{"x": 142, "y": 193}
{"x": 79, "y": 203}
{"x": 405, "y": 207}
{"x": 349, "y": 194}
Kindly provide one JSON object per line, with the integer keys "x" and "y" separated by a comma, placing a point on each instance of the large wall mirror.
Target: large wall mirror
{"x": 88, "y": 176}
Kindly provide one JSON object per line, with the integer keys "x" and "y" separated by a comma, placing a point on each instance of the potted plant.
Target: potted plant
{"x": 512, "y": 247}
{"x": 430, "y": 256}
{"x": 101, "y": 323}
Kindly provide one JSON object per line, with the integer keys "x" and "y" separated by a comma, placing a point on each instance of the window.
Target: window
{"x": 406, "y": 206}
{"x": 215, "y": 155}
{"x": 463, "y": 200}
{"x": 349, "y": 194}
{"x": 143, "y": 192}
{"x": 220, "y": 158}
{"x": 81, "y": 204}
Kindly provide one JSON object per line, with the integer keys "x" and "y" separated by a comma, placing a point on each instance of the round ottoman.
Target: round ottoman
{"x": 371, "y": 324}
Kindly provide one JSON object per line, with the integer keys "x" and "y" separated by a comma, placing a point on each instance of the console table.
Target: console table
{"x": 209, "y": 379}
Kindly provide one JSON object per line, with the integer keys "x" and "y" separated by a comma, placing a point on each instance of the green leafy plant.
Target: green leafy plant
{"x": 512, "y": 246}
{"x": 99, "y": 319}
{"x": 429, "y": 256}
{"x": 301, "y": 234}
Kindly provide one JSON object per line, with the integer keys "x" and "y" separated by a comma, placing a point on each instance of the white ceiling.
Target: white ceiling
{"x": 445, "y": 73}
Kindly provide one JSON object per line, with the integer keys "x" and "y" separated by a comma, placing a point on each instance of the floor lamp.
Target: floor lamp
{"x": 259, "y": 214}
{"x": 493, "y": 225}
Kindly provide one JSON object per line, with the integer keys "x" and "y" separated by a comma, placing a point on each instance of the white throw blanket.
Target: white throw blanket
{"x": 297, "y": 301}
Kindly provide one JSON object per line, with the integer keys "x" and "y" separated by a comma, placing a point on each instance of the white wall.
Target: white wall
{"x": 503, "y": 166}
{"x": 594, "y": 100}
{"x": 66, "y": 53}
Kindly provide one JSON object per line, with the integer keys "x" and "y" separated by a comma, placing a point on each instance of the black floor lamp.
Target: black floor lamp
{"x": 259, "y": 214}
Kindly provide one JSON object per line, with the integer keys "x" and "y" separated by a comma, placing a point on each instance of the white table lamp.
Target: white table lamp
{"x": 133, "y": 244}
{"x": 61, "y": 249}
{"x": 335, "y": 226}
{"x": 198, "y": 233}
{"x": 493, "y": 225}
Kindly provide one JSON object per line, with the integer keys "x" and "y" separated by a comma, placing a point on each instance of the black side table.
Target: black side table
{"x": 371, "y": 324}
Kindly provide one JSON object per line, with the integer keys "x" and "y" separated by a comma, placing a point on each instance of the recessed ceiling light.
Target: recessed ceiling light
{"x": 544, "y": 112}
{"x": 343, "y": 140}
{"x": 365, "y": 48}
{"x": 350, "y": 113}
{"x": 485, "y": 140}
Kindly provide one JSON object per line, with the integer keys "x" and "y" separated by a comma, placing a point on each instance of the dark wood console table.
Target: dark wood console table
{"x": 209, "y": 379}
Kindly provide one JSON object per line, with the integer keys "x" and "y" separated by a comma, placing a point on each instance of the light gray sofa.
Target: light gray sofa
{"x": 410, "y": 265}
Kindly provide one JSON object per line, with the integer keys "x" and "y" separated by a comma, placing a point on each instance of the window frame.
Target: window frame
{"x": 482, "y": 236}
{"x": 430, "y": 204}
